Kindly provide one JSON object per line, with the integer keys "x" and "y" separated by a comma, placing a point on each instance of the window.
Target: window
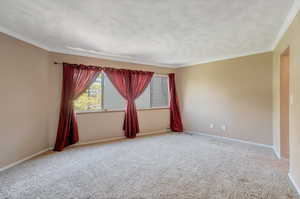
{"x": 91, "y": 99}
{"x": 159, "y": 91}
{"x": 102, "y": 95}
{"x": 113, "y": 100}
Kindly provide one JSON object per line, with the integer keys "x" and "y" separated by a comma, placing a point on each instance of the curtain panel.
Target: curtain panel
{"x": 175, "y": 117}
{"x": 130, "y": 85}
{"x": 76, "y": 79}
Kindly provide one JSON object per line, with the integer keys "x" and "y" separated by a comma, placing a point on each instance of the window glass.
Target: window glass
{"x": 102, "y": 95}
{"x": 159, "y": 91}
{"x": 143, "y": 101}
{"x": 112, "y": 99}
{"x": 91, "y": 99}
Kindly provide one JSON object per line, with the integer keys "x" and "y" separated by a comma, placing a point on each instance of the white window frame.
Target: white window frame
{"x": 103, "y": 110}
{"x": 160, "y": 75}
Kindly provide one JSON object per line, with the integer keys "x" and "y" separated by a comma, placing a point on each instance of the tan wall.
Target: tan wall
{"x": 30, "y": 86}
{"x": 236, "y": 93}
{"x": 23, "y": 100}
{"x": 95, "y": 126}
{"x": 290, "y": 39}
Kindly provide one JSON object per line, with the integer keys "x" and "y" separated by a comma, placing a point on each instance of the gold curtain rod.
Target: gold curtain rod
{"x": 60, "y": 63}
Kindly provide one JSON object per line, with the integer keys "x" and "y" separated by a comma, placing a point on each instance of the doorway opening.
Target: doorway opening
{"x": 284, "y": 103}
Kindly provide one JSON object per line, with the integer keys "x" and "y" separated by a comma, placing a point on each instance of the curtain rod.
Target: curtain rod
{"x": 60, "y": 63}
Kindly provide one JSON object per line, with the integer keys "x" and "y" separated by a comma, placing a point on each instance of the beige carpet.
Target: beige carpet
{"x": 169, "y": 166}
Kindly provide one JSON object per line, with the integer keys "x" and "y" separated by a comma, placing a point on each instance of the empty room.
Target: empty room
{"x": 150, "y": 99}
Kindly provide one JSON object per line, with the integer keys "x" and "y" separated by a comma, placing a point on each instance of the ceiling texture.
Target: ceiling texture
{"x": 170, "y": 33}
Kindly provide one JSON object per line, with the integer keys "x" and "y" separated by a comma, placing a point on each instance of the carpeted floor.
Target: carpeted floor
{"x": 170, "y": 166}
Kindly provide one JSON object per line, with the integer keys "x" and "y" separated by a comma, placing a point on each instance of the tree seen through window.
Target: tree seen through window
{"x": 91, "y": 99}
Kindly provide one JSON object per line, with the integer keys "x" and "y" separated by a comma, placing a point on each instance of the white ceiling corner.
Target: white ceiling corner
{"x": 23, "y": 38}
{"x": 111, "y": 57}
{"x": 168, "y": 33}
{"x": 225, "y": 58}
{"x": 287, "y": 22}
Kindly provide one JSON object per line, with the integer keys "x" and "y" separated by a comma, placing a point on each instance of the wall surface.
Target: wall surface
{"x": 290, "y": 39}
{"x": 97, "y": 126}
{"x": 31, "y": 92}
{"x": 236, "y": 93}
{"x": 102, "y": 125}
{"x": 23, "y": 101}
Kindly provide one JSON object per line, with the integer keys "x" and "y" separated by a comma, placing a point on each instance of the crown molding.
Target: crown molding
{"x": 117, "y": 58}
{"x": 288, "y": 20}
{"x": 112, "y": 57}
{"x": 73, "y": 52}
{"x": 189, "y": 64}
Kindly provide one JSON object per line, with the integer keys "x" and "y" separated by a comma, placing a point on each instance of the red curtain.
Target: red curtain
{"x": 76, "y": 78}
{"x": 130, "y": 85}
{"x": 175, "y": 117}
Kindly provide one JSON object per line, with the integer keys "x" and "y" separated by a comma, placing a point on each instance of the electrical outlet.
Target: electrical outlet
{"x": 223, "y": 127}
{"x": 212, "y": 126}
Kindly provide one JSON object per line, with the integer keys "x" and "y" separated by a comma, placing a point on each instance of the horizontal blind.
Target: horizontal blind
{"x": 159, "y": 91}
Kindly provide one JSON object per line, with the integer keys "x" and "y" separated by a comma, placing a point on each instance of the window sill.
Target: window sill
{"x": 112, "y": 111}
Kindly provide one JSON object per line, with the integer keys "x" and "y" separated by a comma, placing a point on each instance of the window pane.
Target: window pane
{"x": 112, "y": 99}
{"x": 90, "y": 100}
{"x": 159, "y": 91}
{"x": 143, "y": 101}
{"x": 155, "y": 95}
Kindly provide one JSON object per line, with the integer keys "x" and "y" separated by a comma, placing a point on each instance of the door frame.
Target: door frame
{"x": 285, "y": 108}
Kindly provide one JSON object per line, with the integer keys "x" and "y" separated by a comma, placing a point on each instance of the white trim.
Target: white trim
{"x": 117, "y": 138}
{"x": 231, "y": 139}
{"x": 288, "y": 20}
{"x": 189, "y": 64}
{"x": 160, "y": 75}
{"x": 79, "y": 144}
{"x": 113, "y": 57}
{"x": 121, "y": 110}
{"x": 98, "y": 141}
{"x": 277, "y": 154}
{"x": 24, "y": 159}
{"x": 294, "y": 183}
{"x": 154, "y": 132}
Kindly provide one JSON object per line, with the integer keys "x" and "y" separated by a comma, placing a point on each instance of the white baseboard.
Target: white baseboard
{"x": 231, "y": 139}
{"x": 116, "y": 138}
{"x": 97, "y": 141}
{"x": 120, "y": 138}
{"x": 24, "y": 159}
{"x": 154, "y": 132}
{"x": 80, "y": 144}
{"x": 294, "y": 183}
{"x": 277, "y": 154}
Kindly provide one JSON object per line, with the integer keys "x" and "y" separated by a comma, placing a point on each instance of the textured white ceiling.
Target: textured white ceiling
{"x": 162, "y": 32}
